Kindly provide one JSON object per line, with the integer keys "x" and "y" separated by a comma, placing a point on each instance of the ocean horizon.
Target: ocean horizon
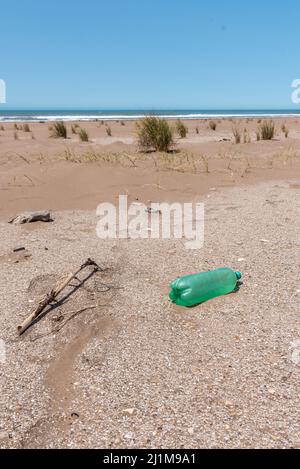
{"x": 38, "y": 115}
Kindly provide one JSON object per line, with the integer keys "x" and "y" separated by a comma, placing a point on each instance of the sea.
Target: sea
{"x": 112, "y": 115}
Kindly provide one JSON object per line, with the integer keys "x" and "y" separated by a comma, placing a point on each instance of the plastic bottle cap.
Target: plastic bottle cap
{"x": 238, "y": 275}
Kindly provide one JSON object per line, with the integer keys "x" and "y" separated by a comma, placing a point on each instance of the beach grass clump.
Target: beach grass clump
{"x": 213, "y": 125}
{"x": 267, "y": 130}
{"x": 108, "y": 131}
{"x": 197, "y": 130}
{"x": 2, "y": 128}
{"x": 59, "y": 130}
{"x": 181, "y": 129}
{"x": 16, "y": 136}
{"x": 26, "y": 128}
{"x": 154, "y": 134}
{"x": 83, "y": 135}
{"x": 16, "y": 126}
{"x": 237, "y": 135}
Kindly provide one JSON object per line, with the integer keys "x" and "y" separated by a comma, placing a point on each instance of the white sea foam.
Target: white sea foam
{"x": 127, "y": 117}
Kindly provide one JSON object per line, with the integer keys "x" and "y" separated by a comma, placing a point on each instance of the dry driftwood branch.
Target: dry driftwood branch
{"x": 52, "y": 295}
{"x": 30, "y": 217}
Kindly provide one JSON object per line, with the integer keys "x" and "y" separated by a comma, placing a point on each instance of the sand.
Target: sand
{"x": 136, "y": 371}
{"x": 65, "y": 174}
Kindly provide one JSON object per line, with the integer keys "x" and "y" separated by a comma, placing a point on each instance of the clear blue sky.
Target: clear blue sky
{"x": 138, "y": 54}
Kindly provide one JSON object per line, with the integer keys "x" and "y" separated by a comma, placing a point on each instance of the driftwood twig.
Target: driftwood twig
{"x": 52, "y": 295}
{"x": 60, "y": 326}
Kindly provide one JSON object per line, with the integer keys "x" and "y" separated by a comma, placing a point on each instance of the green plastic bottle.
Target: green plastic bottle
{"x": 196, "y": 289}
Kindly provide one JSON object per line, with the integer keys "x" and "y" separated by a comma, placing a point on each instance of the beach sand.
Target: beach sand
{"x": 135, "y": 371}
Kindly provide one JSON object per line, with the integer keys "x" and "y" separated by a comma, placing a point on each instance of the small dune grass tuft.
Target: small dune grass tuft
{"x": 285, "y": 130}
{"x": 181, "y": 129}
{"x": 83, "y": 135}
{"x": 74, "y": 128}
{"x": 213, "y": 125}
{"x": 267, "y": 130}
{"x": 26, "y": 128}
{"x": 237, "y": 135}
{"x": 59, "y": 130}
{"x": 108, "y": 131}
